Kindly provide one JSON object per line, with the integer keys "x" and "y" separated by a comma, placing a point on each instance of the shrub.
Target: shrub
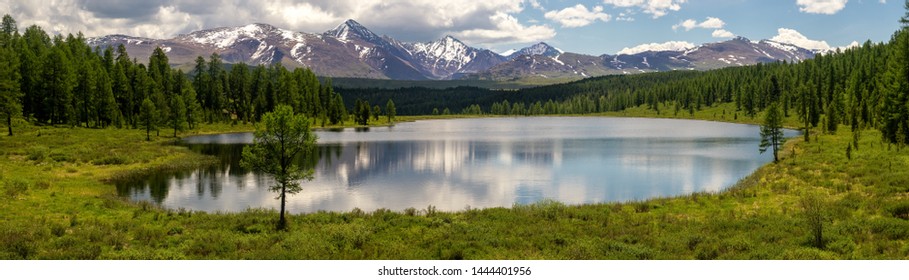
{"x": 110, "y": 160}
{"x": 899, "y": 210}
{"x": 37, "y": 153}
{"x": 15, "y": 187}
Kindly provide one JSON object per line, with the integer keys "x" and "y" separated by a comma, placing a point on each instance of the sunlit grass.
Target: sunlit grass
{"x": 58, "y": 206}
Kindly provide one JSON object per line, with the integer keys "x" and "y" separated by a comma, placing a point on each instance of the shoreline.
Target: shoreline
{"x": 66, "y": 198}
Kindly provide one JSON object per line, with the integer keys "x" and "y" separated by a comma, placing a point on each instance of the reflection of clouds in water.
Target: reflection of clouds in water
{"x": 456, "y": 167}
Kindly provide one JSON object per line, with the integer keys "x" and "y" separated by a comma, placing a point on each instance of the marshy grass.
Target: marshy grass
{"x": 59, "y": 204}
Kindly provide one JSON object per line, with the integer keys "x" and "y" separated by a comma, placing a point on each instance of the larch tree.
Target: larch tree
{"x": 772, "y": 131}
{"x": 147, "y": 117}
{"x": 9, "y": 86}
{"x": 282, "y": 137}
{"x": 390, "y": 110}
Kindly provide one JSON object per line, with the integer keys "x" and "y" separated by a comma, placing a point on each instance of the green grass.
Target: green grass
{"x": 56, "y": 205}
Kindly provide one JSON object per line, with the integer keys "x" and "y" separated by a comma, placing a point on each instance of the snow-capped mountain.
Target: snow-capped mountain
{"x": 448, "y": 57}
{"x": 736, "y": 52}
{"x": 352, "y": 50}
{"x": 540, "y": 48}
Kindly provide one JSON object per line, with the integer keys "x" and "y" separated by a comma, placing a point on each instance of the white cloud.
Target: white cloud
{"x": 709, "y": 23}
{"x": 410, "y": 20}
{"x": 827, "y": 7}
{"x": 688, "y": 24}
{"x": 507, "y": 29}
{"x": 657, "y": 8}
{"x": 712, "y": 22}
{"x": 578, "y": 16}
{"x": 656, "y": 47}
{"x": 722, "y": 33}
{"x": 626, "y": 16}
{"x": 854, "y": 44}
{"x": 536, "y": 5}
{"x": 791, "y": 36}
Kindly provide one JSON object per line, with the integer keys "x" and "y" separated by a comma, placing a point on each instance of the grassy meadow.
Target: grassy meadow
{"x": 817, "y": 203}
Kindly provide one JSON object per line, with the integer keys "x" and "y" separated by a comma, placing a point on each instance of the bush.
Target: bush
{"x": 891, "y": 228}
{"x": 110, "y": 160}
{"x": 15, "y": 187}
{"x": 808, "y": 254}
{"x": 899, "y": 210}
{"x": 37, "y": 153}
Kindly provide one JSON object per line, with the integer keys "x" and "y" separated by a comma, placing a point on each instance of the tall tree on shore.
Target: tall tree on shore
{"x": 772, "y": 131}
{"x": 147, "y": 117}
{"x": 283, "y": 137}
{"x": 390, "y": 111}
{"x": 10, "y": 93}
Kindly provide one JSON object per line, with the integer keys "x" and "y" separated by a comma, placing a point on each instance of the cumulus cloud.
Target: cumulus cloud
{"x": 854, "y": 44}
{"x": 578, "y": 16}
{"x": 657, "y": 8}
{"x": 656, "y": 47}
{"x": 507, "y": 29}
{"x": 536, "y": 5}
{"x": 791, "y": 36}
{"x": 412, "y": 20}
{"x": 722, "y": 33}
{"x": 709, "y": 23}
{"x": 827, "y": 7}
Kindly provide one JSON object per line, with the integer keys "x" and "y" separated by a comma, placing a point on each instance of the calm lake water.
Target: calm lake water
{"x": 477, "y": 163}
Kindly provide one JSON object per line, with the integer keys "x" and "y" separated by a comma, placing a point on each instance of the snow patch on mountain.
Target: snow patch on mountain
{"x": 350, "y": 30}
{"x": 508, "y": 52}
{"x": 658, "y": 47}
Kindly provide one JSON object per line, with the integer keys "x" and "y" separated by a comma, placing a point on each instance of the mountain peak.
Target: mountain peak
{"x": 541, "y": 48}
{"x": 352, "y": 29}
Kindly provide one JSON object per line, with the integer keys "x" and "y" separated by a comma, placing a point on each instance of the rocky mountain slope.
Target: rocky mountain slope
{"x": 352, "y": 50}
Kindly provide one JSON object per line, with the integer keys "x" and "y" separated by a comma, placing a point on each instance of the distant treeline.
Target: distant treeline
{"x": 860, "y": 87}
{"x": 62, "y": 81}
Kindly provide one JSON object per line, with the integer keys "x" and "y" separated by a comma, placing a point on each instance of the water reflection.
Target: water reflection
{"x": 453, "y": 164}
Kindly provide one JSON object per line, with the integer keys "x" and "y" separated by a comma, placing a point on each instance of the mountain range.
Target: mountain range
{"x": 352, "y": 50}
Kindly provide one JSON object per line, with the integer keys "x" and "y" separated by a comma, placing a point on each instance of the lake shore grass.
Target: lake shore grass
{"x": 59, "y": 204}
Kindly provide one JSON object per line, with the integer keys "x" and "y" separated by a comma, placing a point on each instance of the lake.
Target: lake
{"x": 477, "y": 163}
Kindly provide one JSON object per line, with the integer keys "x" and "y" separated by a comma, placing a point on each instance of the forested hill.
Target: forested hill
{"x": 862, "y": 87}
{"x": 63, "y": 81}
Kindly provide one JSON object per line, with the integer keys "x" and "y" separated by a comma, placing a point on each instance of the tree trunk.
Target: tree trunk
{"x": 282, "y": 223}
{"x": 9, "y": 124}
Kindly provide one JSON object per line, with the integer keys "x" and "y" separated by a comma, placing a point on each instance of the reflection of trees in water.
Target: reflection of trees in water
{"x": 211, "y": 179}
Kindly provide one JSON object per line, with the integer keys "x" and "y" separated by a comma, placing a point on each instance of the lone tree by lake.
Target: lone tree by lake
{"x": 772, "y": 131}
{"x": 283, "y": 137}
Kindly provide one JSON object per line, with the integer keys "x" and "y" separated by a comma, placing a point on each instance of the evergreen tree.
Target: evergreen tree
{"x": 376, "y": 111}
{"x": 147, "y": 117}
{"x": 772, "y": 131}
{"x": 239, "y": 96}
{"x": 105, "y": 111}
{"x": 59, "y": 80}
{"x": 9, "y": 83}
{"x": 284, "y": 137}
{"x": 390, "y": 111}
{"x": 177, "y": 114}
{"x": 895, "y": 87}
{"x": 193, "y": 109}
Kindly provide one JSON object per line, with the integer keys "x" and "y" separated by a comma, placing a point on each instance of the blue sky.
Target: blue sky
{"x": 856, "y": 21}
{"x": 589, "y": 27}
